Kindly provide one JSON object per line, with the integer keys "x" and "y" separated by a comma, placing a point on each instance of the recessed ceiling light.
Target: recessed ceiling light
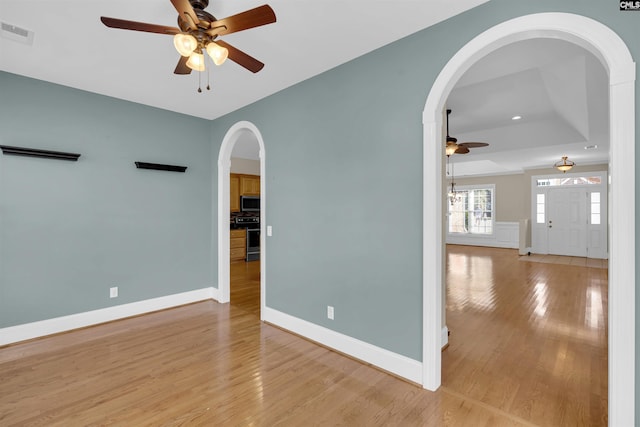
{"x": 591, "y": 147}
{"x": 516, "y": 117}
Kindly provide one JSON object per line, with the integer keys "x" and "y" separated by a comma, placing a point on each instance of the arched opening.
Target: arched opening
{"x": 615, "y": 57}
{"x": 224, "y": 169}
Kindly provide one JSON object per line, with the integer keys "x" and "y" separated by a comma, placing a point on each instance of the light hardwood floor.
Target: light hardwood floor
{"x": 527, "y": 338}
{"x": 527, "y": 347}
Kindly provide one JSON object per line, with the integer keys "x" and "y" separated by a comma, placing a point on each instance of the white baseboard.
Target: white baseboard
{"x": 384, "y": 359}
{"x": 524, "y": 251}
{"x": 13, "y": 334}
{"x": 444, "y": 341}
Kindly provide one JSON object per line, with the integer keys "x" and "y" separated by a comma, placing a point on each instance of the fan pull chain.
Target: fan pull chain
{"x": 208, "y": 87}
{"x": 199, "y": 88}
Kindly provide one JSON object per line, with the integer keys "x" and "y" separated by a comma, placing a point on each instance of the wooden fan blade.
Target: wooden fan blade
{"x": 462, "y": 150}
{"x": 138, "y": 26}
{"x": 261, "y": 15}
{"x": 474, "y": 144}
{"x": 182, "y": 68}
{"x": 241, "y": 58}
{"x": 186, "y": 12}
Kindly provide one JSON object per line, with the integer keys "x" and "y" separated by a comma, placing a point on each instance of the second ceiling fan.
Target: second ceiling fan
{"x": 453, "y": 147}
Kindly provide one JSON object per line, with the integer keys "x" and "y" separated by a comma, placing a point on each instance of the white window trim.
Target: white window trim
{"x": 601, "y": 174}
{"x": 491, "y": 235}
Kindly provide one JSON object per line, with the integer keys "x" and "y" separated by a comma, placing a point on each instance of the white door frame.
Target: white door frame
{"x": 611, "y": 50}
{"x": 540, "y": 245}
{"x": 224, "y": 208}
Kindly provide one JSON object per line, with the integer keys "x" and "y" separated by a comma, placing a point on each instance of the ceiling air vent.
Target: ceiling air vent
{"x": 20, "y": 35}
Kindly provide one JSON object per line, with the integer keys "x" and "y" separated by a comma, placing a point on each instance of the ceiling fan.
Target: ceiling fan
{"x": 453, "y": 147}
{"x": 199, "y": 30}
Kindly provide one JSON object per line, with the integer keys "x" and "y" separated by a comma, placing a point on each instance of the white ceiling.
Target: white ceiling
{"x": 559, "y": 89}
{"x": 308, "y": 38}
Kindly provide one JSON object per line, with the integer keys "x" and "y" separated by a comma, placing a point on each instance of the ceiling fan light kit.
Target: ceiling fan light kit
{"x": 188, "y": 46}
{"x": 218, "y": 53}
{"x": 453, "y": 147}
{"x": 185, "y": 44}
{"x": 196, "y": 61}
{"x": 199, "y": 31}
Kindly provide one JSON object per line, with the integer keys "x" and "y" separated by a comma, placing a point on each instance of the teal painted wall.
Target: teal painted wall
{"x": 69, "y": 231}
{"x": 344, "y": 174}
{"x": 344, "y": 177}
{"x": 344, "y": 189}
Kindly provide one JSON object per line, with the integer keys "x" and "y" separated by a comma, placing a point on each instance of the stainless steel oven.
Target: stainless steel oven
{"x": 253, "y": 244}
{"x": 251, "y": 223}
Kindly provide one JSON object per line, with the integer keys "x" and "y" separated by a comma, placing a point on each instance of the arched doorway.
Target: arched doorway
{"x": 224, "y": 169}
{"x": 615, "y": 57}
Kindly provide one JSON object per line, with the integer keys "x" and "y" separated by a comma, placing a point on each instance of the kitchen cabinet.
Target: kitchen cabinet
{"x": 249, "y": 185}
{"x": 242, "y": 185}
{"x": 238, "y": 245}
{"x": 234, "y": 196}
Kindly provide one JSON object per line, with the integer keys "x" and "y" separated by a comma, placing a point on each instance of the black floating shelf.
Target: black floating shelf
{"x": 160, "y": 167}
{"x": 32, "y": 152}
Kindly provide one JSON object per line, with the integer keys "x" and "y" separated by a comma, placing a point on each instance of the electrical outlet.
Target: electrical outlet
{"x": 113, "y": 292}
{"x": 330, "y": 312}
{"x": 269, "y": 231}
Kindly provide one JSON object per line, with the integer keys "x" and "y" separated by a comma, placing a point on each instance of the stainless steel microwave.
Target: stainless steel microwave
{"x": 250, "y": 203}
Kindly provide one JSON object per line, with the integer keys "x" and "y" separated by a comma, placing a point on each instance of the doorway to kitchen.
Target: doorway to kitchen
{"x": 241, "y": 221}
{"x": 615, "y": 57}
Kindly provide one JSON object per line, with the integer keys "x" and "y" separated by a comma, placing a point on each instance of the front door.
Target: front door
{"x": 569, "y": 215}
{"x": 567, "y": 221}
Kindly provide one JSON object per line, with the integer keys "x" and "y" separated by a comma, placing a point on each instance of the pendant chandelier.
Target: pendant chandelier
{"x": 564, "y": 165}
{"x": 453, "y": 194}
